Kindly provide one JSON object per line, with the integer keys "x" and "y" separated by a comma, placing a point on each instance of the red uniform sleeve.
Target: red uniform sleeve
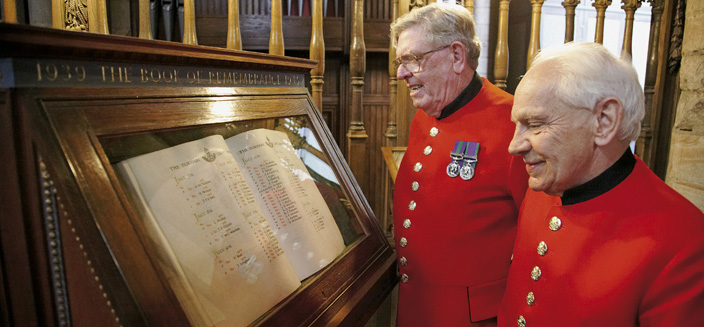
{"x": 676, "y": 297}
{"x": 517, "y": 180}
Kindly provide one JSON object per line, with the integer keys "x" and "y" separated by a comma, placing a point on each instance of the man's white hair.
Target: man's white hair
{"x": 585, "y": 73}
{"x": 443, "y": 24}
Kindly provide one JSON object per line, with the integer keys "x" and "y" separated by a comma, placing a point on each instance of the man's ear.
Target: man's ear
{"x": 459, "y": 56}
{"x": 608, "y": 114}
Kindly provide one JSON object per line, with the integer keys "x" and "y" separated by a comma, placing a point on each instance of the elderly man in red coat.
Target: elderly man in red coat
{"x": 458, "y": 191}
{"x": 601, "y": 240}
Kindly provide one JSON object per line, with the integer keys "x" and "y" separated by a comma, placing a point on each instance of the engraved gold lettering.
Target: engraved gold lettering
{"x": 81, "y": 72}
{"x": 152, "y": 74}
{"x": 191, "y": 77}
{"x": 67, "y": 70}
{"x": 51, "y": 72}
{"x": 102, "y": 68}
{"x": 125, "y": 73}
{"x": 227, "y": 78}
{"x": 143, "y": 74}
{"x": 39, "y": 72}
{"x": 169, "y": 76}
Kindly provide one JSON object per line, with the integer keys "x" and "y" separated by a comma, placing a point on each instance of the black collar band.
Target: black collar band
{"x": 602, "y": 183}
{"x": 464, "y": 97}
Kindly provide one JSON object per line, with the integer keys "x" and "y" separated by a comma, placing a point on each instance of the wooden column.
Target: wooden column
{"x": 276, "y": 36}
{"x": 57, "y": 14}
{"x": 97, "y": 17}
{"x": 189, "y": 22}
{"x": 145, "y": 26}
{"x": 469, "y": 4}
{"x": 501, "y": 54}
{"x": 356, "y": 134}
{"x": 9, "y": 8}
{"x": 600, "y": 6}
{"x": 570, "y": 6}
{"x": 317, "y": 52}
{"x": 234, "y": 38}
{"x": 645, "y": 147}
{"x": 534, "y": 44}
{"x": 391, "y": 134}
{"x": 630, "y": 7}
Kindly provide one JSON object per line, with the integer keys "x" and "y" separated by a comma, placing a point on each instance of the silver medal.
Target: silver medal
{"x": 467, "y": 172}
{"x": 453, "y": 169}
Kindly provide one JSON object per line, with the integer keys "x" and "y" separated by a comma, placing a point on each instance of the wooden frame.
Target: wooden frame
{"x": 60, "y": 127}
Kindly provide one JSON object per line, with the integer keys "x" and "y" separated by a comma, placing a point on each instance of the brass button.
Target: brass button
{"x": 530, "y": 298}
{"x": 403, "y": 242}
{"x": 542, "y": 248}
{"x": 555, "y": 224}
{"x": 434, "y": 131}
{"x": 415, "y": 186}
{"x": 412, "y": 205}
{"x": 407, "y": 223}
{"x": 403, "y": 261}
{"x": 521, "y": 321}
{"x": 404, "y": 278}
{"x": 535, "y": 274}
{"x": 418, "y": 167}
{"x": 428, "y": 150}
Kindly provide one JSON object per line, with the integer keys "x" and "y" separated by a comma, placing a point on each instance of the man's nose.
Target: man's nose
{"x": 402, "y": 73}
{"x": 519, "y": 144}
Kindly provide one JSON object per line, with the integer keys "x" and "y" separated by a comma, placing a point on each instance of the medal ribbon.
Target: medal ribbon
{"x": 470, "y": 153}
{"x": 460, "y": 147}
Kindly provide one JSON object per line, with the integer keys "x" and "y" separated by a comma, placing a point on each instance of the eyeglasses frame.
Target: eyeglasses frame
{"x": 397, "y": 62}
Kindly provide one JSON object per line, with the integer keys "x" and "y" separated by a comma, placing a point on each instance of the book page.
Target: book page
{"x": 228, "y": 266}
{"x": 289, "y": 198}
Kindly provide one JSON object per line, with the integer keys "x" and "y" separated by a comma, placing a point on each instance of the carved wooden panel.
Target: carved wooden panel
{"x": 376, "y": 109}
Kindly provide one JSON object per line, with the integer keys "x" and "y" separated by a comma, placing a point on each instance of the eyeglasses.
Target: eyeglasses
{"x": 412, "y": 62}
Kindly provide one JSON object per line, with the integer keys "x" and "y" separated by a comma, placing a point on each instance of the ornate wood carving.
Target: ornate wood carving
{"x": 600, "y": 6}
{"x": 76, "y": 15}
{"x": 645, "y": 145}
{"x": 534, "y": 44}
{"x": 630, "y": 7}
{"x": 276, "y": 36}
{"x": 317, "y": 52}
{"x": 234, "y": 38}
{"x": 356, "y": 134}
{"x": 53, "y": 242}
{"x": 501, "y": 54}
{"x": 413, "y": 4}
{"x": 675, "y": 56}
{"x": 569, "y": 18}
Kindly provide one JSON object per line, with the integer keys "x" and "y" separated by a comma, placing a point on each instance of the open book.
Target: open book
{"x": 237, "y": 222}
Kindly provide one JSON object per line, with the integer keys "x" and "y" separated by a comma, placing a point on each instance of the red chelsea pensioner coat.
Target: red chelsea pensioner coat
{"x": 454, "y": 237}
{"x": 633, "y": 256}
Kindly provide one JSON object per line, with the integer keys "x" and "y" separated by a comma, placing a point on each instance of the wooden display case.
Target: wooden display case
{"x": 75, "y": 246}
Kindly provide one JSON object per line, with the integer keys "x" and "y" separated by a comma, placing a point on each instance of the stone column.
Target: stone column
{"x": 685, "y": 172}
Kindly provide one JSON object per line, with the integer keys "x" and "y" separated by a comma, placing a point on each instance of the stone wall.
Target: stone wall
{"x": 685, "y": 172}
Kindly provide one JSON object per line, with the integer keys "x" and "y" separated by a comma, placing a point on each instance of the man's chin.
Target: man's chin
{"x": 536, "y": 184}
{"x": 434, "y": 112}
